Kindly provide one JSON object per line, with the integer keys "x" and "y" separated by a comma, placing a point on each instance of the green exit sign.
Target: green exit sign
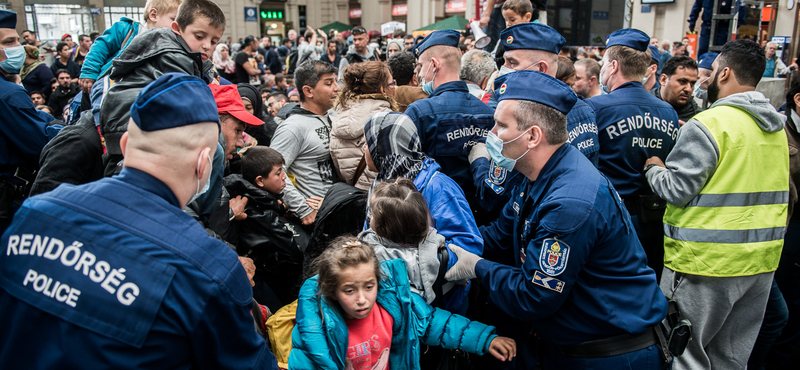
{"x": 272, "y": 14}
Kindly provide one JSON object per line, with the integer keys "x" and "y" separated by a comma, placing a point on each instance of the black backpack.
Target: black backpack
{"x": 292, "y": 61}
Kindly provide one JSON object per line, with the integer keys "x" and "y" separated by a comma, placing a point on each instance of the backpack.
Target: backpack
{"x": 292, "y": 61}
{"x": 342, "y": 212}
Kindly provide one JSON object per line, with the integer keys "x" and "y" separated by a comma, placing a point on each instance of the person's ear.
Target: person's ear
{"x": 663, "y": 79}
{"x": 797, "y": 100}
{"x": 152, "y": 15}
{"x": 308, "y": 92}
{"x": 259, "y": 181}
{"x": 176, "y": 28}
{"x": 414, "y": 81}
{"x": 123, "y": 142}
{"x": 484, "y": 83}
{"x": 724, "y": 75}
{"x": 536, "y": 137}
{"x": 544, "y": 66}
{"x": 527, "y": 17}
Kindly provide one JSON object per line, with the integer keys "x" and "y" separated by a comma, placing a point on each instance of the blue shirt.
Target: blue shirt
{"x": 580, "y": 272}
{"x": 633, "y": 125}
{"x": 770, "y": 70}
{"x": 114, "y": 274}
{"x": 23, "y": 129}
{"x": 449, "y": 122}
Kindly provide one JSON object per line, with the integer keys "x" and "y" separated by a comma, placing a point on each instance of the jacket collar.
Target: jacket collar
{"x": 149, "y": 183}
{"x": 459, "y": 86}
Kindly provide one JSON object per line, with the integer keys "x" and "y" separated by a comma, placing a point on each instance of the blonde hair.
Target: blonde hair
{"x": 342, "y": 253}
{"x": 162, "y": 7}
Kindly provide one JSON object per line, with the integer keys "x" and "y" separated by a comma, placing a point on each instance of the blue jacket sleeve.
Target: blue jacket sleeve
{"x": 512, "y": 288}
{"x": 498, "y": 236}
{"x": 104, "y": 49}
{"x": 225, "y": 337}
{"x": 29, "y": 132}
{"x": 453, "y": 331}
{"x": 452, "y": 215}
{"x": 698, "y": 5}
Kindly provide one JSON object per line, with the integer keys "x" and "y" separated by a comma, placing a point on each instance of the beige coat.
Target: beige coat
{"x": 347, "y": 135}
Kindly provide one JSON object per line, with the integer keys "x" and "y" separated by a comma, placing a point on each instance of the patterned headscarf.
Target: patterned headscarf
{"x": 394, "y": 146}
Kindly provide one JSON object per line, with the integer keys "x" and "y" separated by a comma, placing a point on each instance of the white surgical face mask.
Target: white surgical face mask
{"x": 198, "y": 192}
{"x": 603, "y": 87}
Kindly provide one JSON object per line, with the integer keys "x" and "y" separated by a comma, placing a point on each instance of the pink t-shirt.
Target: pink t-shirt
{"x": 369, "y": 341}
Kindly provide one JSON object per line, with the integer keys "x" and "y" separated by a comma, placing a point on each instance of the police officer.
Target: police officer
{"x": 580, "y": 276}
{"x": 23, "y": 129}
{"x": 114, "y": 274}
{"x": 450, "y": 121}
{"x": 633, "y": 125}
{"x": 532, "y": 46}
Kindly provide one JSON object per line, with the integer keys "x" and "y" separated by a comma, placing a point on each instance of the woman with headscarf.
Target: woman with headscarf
{"x": 393, "y": 150}
{"x": 394, "y": 46}
{"x": 368, "y": 89}
{"x": 223, "y": 62}
{"x": 251, "y": 98}
{"x": 35, "y": 75}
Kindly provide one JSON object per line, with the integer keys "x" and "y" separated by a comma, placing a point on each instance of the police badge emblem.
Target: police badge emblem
{"x": 509, "y": 40}
{"x": 502, "y": 89}
{"x": 497, "y": 174}
{"x": 553, "y": 257}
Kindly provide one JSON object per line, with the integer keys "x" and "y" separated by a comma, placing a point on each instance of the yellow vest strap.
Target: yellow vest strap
{"x": 740, "y": 199}
{"x": 724, "y": 236}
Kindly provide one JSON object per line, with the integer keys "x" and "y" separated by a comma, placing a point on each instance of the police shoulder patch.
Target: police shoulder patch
{"x": 498, "y": 174}
{"x": 545, "y": 281}
{"x": 553, "y": 257}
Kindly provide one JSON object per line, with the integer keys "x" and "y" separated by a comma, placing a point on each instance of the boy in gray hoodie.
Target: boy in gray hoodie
{"x": 726, "y": 183}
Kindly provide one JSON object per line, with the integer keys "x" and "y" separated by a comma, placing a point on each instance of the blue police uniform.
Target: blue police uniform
{"x": 450, "y": 121}
{"x": 633, "y": 126}
{"x": 579, "y": 272}
{"x": 114, "y": 274}
{"x": 23, "y": 134}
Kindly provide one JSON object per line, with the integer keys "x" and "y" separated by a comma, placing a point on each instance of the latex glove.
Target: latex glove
{"x": 464, "y": 267}
{"x": 478, "y": 151}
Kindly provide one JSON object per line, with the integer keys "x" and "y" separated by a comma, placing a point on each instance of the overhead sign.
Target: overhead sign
{"x": 399, "y": 10}
{"x": 96, "y": 11}
{"x": 456, "y": 6}
{"x": 272, "y": 14}
{"x": 250, "y": 14}
{"x": 355, "y": 13}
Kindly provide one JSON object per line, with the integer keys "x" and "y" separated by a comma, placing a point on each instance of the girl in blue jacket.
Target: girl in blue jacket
{"x": 358, "y": 313}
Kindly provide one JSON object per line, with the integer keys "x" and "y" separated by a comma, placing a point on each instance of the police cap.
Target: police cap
{"x": 174, "y": 100}
{"x": 8, "y": 19}
{"x": 629, "y": 37}
{"x": 537, "y": 87}
{"x": 706, "y": 60}
{"x": 441, "y": 37}
{"x": 532, "y": 36}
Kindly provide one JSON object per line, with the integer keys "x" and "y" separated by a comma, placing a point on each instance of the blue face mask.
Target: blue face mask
{"x": 427, "y": 86}
{"x": 494, "y": 145}
{"x": 198, "y": 192}
{"x": 698, "y": 92}
{"x": 15, "y": 61}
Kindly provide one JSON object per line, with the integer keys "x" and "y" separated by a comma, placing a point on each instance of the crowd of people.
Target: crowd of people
{"x": 172, "y": 200}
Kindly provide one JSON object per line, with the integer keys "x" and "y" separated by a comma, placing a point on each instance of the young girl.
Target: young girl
{"x": 401, "y": 228}
{"x": 358, "y": 313}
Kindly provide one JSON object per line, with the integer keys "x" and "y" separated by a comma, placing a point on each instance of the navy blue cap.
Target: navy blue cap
{"x": 629, "y": 37}
{"x": 537, "y": 87}
{"x": 654, "y": 53}
{"x": 8, "y": 19}
{"x": 706, "y": 60}
{"x": 441, "y": 37}
{"x": 174, "y": 100}
{"x": 532, "y": 36}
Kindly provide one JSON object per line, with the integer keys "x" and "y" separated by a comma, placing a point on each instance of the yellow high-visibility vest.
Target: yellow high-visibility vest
{"x": 735, "y": 226}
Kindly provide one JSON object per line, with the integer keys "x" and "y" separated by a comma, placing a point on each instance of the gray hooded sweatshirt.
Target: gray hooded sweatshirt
{"x": 422, "y": 261}
{"x": 696, "y": 154}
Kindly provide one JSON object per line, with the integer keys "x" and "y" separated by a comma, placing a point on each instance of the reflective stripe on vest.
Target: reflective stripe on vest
{"x": 735, "y": 226}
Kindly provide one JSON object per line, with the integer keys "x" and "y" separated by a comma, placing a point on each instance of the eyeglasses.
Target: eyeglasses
{"x": 391, "y": 84}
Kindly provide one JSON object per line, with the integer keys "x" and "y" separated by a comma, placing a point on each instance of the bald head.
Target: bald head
{"x": 177, "y": 156}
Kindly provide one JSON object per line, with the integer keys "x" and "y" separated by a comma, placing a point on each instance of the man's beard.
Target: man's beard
{"x": 713, "y": 89}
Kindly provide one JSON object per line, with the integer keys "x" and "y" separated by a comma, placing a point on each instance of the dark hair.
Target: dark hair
{"x": 342, "y": 253}
{"x": 40, "y": 93}
{"x": 279, "y": 77}
{"x": 32, "y": 33}
{"x": 285, "y": 40}
{"x": 60, "y": 46}
{"x": 331, "y": 41}
{"x": 794, "y": 89}
{"x": 309, "y": 74}
{"x": 680, "y": 61}
{"x": 94, "y": 35}
{"x": 746, "y": 59}
{"x": 565, "y": 69}
{"x": 278, "y": 95}
{"x": 399, "y": 212}
{"x": 364, "y": 78}
{"x": 358, "y": 30}
{"x": 309, "y": 34}
{"x": 521, "y": 7}
{"x": 189, "y": 9}
{"x": 80, "y": 38}
{"x": 260, "y": 161}
{"x": 60, "y": 71}
{"x": 249, "y": 39}
{"x": 402, "y": 66}
{"x": 407, "y": 37}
